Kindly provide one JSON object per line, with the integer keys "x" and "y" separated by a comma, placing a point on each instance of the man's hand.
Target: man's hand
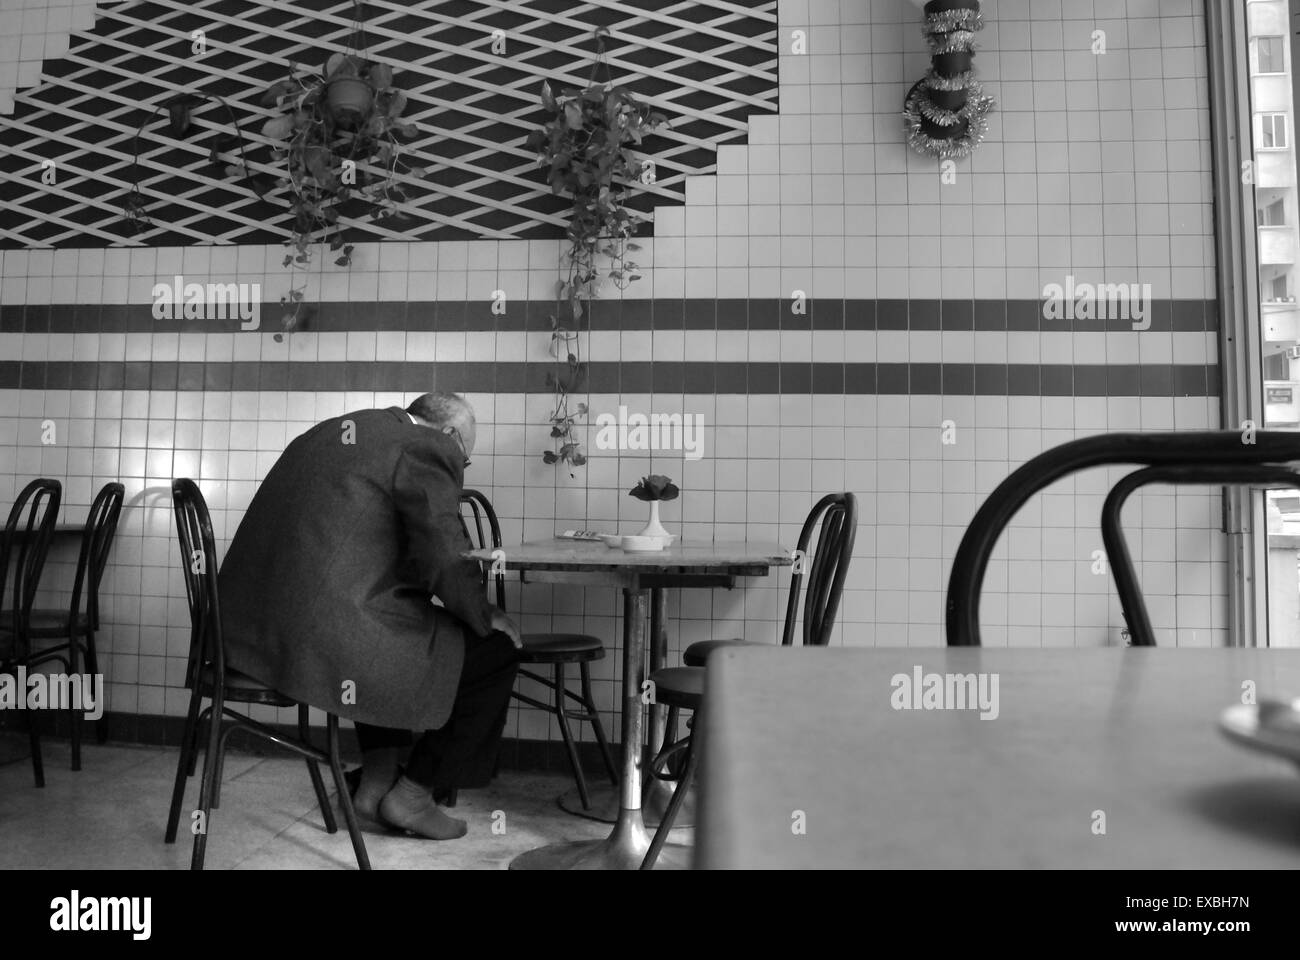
{"x": 503, "y": 624}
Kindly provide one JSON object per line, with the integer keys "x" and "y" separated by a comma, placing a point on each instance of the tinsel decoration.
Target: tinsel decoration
{"x": 946, "y": 112}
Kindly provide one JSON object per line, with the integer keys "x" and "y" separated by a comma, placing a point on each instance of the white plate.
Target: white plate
{"x": 612, "y": 540}
{"x": 1271, "y": 727}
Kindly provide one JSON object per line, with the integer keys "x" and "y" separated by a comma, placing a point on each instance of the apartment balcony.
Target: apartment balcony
{"x": 1281, "y": 403}
{"x": 1281, "y": 320}
{"x": 1277, "y": 246}
{"x": 1267, "y": 18}
{"x": 1275, "y": 170}
{"x": 1272, "y": 93}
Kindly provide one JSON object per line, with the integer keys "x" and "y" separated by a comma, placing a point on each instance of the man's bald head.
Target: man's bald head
{"x": 446, "y": 412}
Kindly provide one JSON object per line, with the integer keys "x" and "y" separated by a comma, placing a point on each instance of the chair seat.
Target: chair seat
{"x": 697, "y": 654}
{"x": 241, "y": 688}
{"x": 560, "y": 648}
{"x": 679, "y": 686}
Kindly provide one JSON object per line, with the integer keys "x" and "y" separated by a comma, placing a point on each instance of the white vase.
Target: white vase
{"x": 654, "y": 528}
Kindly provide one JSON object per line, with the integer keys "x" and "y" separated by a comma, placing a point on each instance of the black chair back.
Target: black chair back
{"x": 484, "y": 538}
{"x": 1178, "y": 448}
{"x": 96, "y": 542}
{"x": 26, "y": 543}
{"x": 1132, "y": 602}
{"x": 199, "y": 565}
{"x": 826, "y": 566}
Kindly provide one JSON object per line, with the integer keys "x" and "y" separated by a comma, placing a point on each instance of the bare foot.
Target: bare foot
{"x": 411, "y": 807}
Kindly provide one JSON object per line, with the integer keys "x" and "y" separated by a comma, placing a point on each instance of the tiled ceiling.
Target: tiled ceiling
{"x": 708, "y": 65}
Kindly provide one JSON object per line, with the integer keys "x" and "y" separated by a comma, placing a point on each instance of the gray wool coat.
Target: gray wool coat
{"x": 326, "y": 588}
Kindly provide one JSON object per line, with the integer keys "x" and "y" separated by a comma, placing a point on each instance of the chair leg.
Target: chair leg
{"x": 221, "y": 765}
{"x": 34, "y": 738}
{"x": 222, "y": 749}
{"x": 313, "y": 768}
{"x": 675, "y": 804}
{"x": 670, "y": 737}
{"x": 211, "y": 758}
{"x": 74, "y": 718}
{"x": 345, "y": 800}
{"x": 596, "y": 726}
{"x": 198, "y": 731}
{"x": 567, "y": 734}
{"x": 184, "y": 766}
{"x": 92, "y": 667}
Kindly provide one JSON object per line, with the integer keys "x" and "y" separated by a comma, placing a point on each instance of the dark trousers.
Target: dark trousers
{"x": 463, "y": 752}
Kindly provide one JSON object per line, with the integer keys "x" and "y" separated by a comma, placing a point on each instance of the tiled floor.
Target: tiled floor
{"x": 112, "y": 813}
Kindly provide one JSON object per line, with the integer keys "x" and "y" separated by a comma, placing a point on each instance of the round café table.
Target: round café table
{"x": 637, "y": 574}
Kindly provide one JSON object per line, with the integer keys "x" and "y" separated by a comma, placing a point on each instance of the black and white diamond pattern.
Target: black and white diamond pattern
{"x": 708, "y": 65}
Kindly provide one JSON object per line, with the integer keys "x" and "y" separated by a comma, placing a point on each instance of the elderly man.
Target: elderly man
{"x": 328, "y": 595}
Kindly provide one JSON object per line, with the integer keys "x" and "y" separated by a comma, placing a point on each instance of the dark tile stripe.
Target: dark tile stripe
{"x": 1166, "y": 315}
{"x": 950, "y": 379}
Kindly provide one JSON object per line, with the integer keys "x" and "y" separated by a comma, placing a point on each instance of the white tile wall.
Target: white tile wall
{"x": 1097, "y": 166}
{"x": 31, "y": 32}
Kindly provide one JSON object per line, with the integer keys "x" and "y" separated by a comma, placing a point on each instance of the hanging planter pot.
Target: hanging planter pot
{"x": 953, "y": 64}
{"x": 349, "y": 99}
{"x": 952, "y": 100}
{"x": 947, "y": 15}
{"x": 945, "y": 114}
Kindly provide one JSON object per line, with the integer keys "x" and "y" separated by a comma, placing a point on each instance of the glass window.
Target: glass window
{"x": 1270, "y": 103}
{"x": 1272, "y": 131}
{"x": 1269, "y": 56}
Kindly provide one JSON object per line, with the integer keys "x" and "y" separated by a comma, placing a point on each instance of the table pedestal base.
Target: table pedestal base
{"x": 655, "y": 795}
{"x": 624, "y": 849}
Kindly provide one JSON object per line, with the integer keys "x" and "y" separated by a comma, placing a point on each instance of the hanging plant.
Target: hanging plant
{"x": 946, "y": 112}
{"x": 337, "y": 134}
{"x": 180, "y": 117}
{"x": 587, "y": 146}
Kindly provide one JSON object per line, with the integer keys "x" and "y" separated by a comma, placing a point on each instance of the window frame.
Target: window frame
{"x": 1233, "y": 146}
{"x": 1286, "y": 132}
{"x": 1256, "y": 59}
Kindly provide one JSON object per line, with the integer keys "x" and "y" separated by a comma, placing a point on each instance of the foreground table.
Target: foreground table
{"x": 636, "y": 574}
{"x": 1125, "y": 733}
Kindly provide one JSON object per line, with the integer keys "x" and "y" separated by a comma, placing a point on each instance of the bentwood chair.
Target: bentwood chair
{"x": 207, "y": 676}
{"x": 554, "y": 650}
{"x": 76, "y": 624}
{"x": 1217, "y": 457}
{"x": 835, "y": 520}
{"x": 26, "y": 542}
{"x": 1132, "y": 601}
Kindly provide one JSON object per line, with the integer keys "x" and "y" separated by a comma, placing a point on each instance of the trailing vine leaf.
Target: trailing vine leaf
{"x": 585, "y": 146}
{"x": 314, "y": 144}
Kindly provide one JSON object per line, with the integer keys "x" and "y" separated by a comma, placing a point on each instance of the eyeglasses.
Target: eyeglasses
{"x": 461, "y": 443}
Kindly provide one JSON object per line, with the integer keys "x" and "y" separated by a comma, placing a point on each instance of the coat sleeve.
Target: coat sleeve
{"x": 426, "y": 490}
